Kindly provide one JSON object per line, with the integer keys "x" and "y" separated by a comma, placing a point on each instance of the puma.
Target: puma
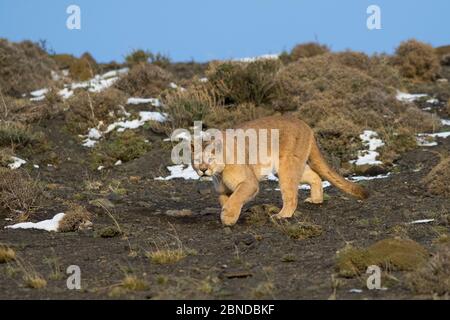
{"x": 299, "y": 161}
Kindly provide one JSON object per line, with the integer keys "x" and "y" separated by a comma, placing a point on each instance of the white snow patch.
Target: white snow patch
{"x": 367, "y": 178}
{"x": 65, "y": 93}
{"x": 371, "y": 140}
{"x": 355, "y": 291}
{"x": 445, "y": 122}
{"x": 408, "y": 97}
{"x": 421, "y": 221}
{"x": 204, "y": 79}
{"x": 47, "y": 225}
{"x": 433, "y": 101}
{"x": 153, "y": 101}
{"x": 427, "y": 139}
{"x": 136, "y": 123}
{"x": 17, "y": 163}
{"x": 180, "y": 171}
{"x": 118, "y": 163}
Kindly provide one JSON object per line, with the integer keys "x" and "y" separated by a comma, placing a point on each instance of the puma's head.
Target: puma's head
{"x": 209, "y": 160}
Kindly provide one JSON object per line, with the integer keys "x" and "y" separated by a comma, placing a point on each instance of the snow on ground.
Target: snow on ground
{"x": 262, "y": 57}
{"x": 17, "y": 163}
{"x": 428, "y": 139}
{"x": 95, "y": 134}
{"x": 421, "y": 221}
{"x": 96, "y": 84}
{"x": 153, "y": 101}
{"x": 180, "y": 171}
{"x": 371, "y": 140}
{"x": 47, "y": 225}
{"x": 408, "y": 97}
{"x": 445, "y": 122}
{"x": 144, "y": 116}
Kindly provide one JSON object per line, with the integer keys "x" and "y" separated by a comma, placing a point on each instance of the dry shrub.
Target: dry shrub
{"x": 124, "y": 146}
{"x": 308, "y": 50}
{"x": 76, "y": 218}
{"x": 16, "y": 135}
{"x": 25, "y": 111}
{"x": 137, "y": 57}
{"x": 193, "y": 104}
{"x": 199, "y": 103}
{"x": 81, "y": 69}
{"x": 222, "y": 117}
{"x": 437, "y": 181}
{"x": 19, "y": 193}
{"x": 86, "y": 109}
{"x": 434, "y": 276}
{"x": 417, "y": 60}
{"x": 239, "y": 82}
{"x": 144, "y": 80}
{"x": 339, "y": 102}
{"x": 24, "y": 67}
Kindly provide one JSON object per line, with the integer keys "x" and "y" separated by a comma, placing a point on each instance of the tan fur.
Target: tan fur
{"x": 299, "y": 161}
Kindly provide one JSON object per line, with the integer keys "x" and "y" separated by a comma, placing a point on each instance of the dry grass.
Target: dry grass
{"x": 6, "y": 254}
{"x": 19, "y": 193}
{"x": 133, "y": 283}
{"x": 34, "y": 281}
{"x": 145, "y": 80}
{"x": 16, "y": 135}
{"x": 437, "y": 180}
{"x": 417, "y": 61}
{"x": 167, "y": 256}
{"x": 24, "y": 67}
{"x": 76, "y": 218}
{"x": 434, "y": 276}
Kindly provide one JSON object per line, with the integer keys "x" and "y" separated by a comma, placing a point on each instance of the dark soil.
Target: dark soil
{"x": 253, "y": 259}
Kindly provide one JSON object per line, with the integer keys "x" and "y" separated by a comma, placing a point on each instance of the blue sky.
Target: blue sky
{"x": 211, "y": 29}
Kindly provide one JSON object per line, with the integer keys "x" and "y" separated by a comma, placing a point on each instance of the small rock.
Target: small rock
{"x": 227, "y": 230}
{"x": 134, "y": 179}
{"x": 179, "y": 213}
{"x": 246, "y": 239}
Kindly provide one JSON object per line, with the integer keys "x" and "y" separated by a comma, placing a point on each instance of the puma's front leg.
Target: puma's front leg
{"x": 231, "y": 210}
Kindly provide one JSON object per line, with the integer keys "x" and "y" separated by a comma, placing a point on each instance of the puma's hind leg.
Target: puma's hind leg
{"x": 315, "y": 182}
{"x": 289, "y": 173}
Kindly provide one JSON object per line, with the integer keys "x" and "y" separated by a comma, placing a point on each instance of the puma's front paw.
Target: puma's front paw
{"x": 228, "y": 217}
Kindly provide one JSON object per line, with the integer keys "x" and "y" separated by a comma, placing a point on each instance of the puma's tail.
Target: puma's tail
{"x": 319, "y": 165}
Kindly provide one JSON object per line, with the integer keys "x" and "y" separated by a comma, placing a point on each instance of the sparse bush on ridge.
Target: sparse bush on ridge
{"x": 417, "y": 60}
{"x": 308, "y": 50}
{"x": 80, "y": 69}
{"x": 24, "y": 67}
{"x": 144, "y": 80}
{"x": 238, "y": 82}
